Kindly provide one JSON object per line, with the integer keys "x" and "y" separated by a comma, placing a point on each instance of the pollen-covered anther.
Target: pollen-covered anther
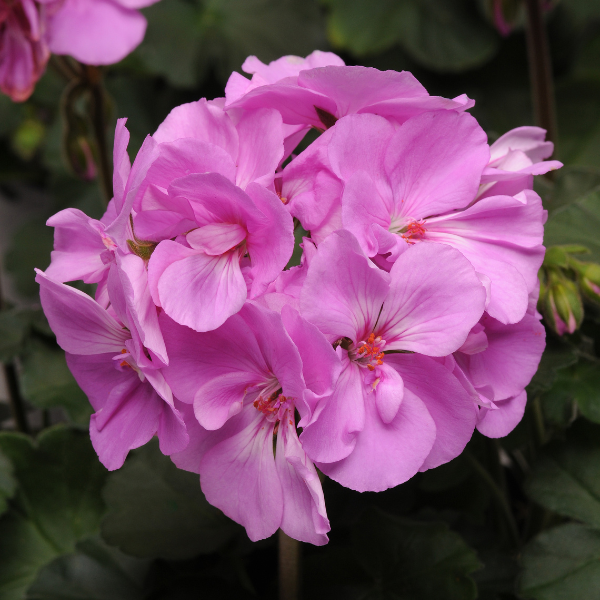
{"x": 369, "y": 353}
{"x": 413, "y": 231}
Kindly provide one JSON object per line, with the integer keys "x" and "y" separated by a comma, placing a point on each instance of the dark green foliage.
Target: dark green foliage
{"x": 157, "y": 510}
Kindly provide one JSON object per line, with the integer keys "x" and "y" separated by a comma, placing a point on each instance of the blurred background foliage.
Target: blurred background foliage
{"x": 512, "y": 518}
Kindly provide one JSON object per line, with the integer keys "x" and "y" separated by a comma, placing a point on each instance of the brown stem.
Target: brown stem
{"x": 15, "y": 400}
{"x": 289, "y": 567}
{"x": 97, "y": 116}
{"x": 540, "y": 70}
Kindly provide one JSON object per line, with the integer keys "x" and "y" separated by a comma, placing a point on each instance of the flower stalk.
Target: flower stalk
{"x": 289, "y": 567}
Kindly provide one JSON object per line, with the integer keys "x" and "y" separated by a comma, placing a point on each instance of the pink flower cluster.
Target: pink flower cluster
{"x": 95, "y": 32}
{"x": 410, "y": 321}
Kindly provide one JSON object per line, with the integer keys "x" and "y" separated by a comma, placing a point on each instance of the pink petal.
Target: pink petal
{"x": 196, "y": 289}
{"x": 434, "y": 163}
{"x": 122, "y": 165}
{"x": 238, "y": 475}
{"x": 435, "y": 299}
{"x": 448, "y": 403}
{"x": 78, "y": 247}
{"x": 343, "y": 294}
{"x": 388, "y": 392}
{"x": 203, "y": 121}
{"x": 304, "y": 516}
{"x": 528, "y": 139}
{"x": 80, "y": 324}
{"x": 386, "y": 455}
{"x": 334, "y": 434}
{"x": 216, "y": 238}
{"x": 500, "y": 422}
{"x": 261, "y": 147}
{"x": 95, "y": 33}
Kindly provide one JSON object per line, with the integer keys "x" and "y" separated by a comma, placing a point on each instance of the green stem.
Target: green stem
{"x": 540, "y": 70}
{"x": 289, "y": 567}
{"x": 538, "y": 417}
{"x": 498, "y": 495}
{"x": 15, "y": 400}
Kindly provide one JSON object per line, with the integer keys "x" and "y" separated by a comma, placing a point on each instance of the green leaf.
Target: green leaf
{"x": 157, "y": 510}
{"x": 172, "y": 42}
{"x": 580, "y": 384}
{"x": 13, "y": 329}
{"x": 562, "y": 564}
{"x": 94, "y": 572}
{"x": 57, "y": 503}
{"x": 566, "y": 478}
{"x": 30, "y": 248}
{"x": 8, "y": 483}
{"x": 571, "y": 184}
{"x": 447, "y": 35}
{"x": 557, "y": 355}
{"x": 577, "y": 223}
{"x": 364, "y": 27}
{"x": 47, "y": 382}
{"x": 444, "y": 35}
{"x": 410, "y": 559}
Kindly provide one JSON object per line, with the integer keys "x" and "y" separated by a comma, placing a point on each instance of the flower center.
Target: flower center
{"x": 368, "y": 353}
{"x": 410, "y": 230}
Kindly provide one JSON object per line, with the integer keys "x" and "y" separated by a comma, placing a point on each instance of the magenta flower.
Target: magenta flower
{"x": 95, "y": 32}
{"x": 128, "y": 392}
{"x": 23, "y": 51}
{"x": 245, "y": 380}
{"x": 375, "y": 431}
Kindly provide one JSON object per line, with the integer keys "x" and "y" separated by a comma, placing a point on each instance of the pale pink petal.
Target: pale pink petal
{"x": 386, "y": 455}
{"x": 203, "y": 121}
{"x": 198, "y": 290}
{"x": 500, "y": 422}
{"x": 448, "y": 403}
{"x": 435, "y": 299}
{"x": 530, "y": 140}
{"x": 343, "y": 294}
{"x": 216, "y": 238}
{"x": 434, "y": 163}
{"x": 80, "y": 324}
{"x": 261, "y": 147}
{"x": 95, "y": 33}
{"x": 270, "y": 244}
{"x": 334, "y": 434}
{"x": 304, "y": 516}
{"x": 122, "y": 165}
{"x": 128, "y": 420}
{"x": 238, "y": 475}
{"x": 78, "y": 247}
{"x": 388, "y": 392}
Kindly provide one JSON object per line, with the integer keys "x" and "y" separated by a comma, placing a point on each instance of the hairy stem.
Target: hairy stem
{"x": 289, "y": 567}
{"x": 499, "y": 496}
{"x": 540, "y": 70}
{"x": 98, "y": 119}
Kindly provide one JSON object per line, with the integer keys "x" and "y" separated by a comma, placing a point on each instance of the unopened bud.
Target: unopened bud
{"x": 589, "y": 281}
{"x": 562, "y": 305}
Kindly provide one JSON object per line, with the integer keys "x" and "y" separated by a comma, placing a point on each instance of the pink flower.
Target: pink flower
{"x": 376, "y": 431}
{"x": 394, "y": 187}
{"x": 23, "y": 51}
{"x": 495, "y": 364}
{"x": 95, "y": 32}
{"x": 244, "y": 380}
{"x": 128, "y": 392}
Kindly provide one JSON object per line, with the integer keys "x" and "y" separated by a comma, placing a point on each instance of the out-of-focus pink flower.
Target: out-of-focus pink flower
{"x": 127, "y": 389}
{"x": 23, "y": 49}
{"x": 95, "y": 32}
{"x": 245, "y": 380}
{"x": 375, "y": 432}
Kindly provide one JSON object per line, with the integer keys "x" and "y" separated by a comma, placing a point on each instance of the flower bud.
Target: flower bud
{"x": 562, "y": 305}
{"x": 589, "y": 281}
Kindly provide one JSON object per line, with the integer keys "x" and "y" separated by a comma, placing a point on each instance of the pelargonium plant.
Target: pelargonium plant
{"x": 410, "y": 321}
